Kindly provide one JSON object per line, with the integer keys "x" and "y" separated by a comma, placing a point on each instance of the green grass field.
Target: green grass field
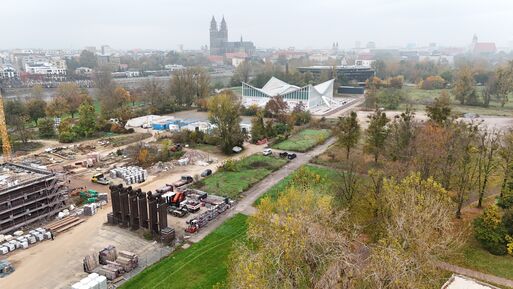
{"x": 473, "y": 256}
{"x": 418, "y": 98}
{"x": 304, "y": 140}
{"x": 329, "y": 178}
{"x": 249, "y": 171}
{"x": 203, "y": 265}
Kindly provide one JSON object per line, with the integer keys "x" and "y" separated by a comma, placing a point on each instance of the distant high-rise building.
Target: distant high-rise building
{"x": 219, "y": 44}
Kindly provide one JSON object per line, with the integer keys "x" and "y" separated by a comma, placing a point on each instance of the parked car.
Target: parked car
{"x": 291, "y": 156}
{"x": 184, "y": 180}
{"x": 206, "y": 173}
{"x": 284, "y": 154}
{"x": 267, "y": 152}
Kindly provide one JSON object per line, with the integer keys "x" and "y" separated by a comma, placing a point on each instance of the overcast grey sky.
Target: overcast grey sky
{"x": 165, "y": 24}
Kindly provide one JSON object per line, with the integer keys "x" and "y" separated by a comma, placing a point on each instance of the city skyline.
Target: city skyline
{"x": 140, "y": 25}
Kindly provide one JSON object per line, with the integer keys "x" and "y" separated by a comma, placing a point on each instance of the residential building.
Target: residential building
{"x": 348, "y": 73}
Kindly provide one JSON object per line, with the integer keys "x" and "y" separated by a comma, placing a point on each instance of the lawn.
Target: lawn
{"x": 246, "y": 172}
{"x": 474, "y": 257}
{"x": 203, "y": 265}
{"x": 304, "y": 140}
{"x": 328, "y": 178}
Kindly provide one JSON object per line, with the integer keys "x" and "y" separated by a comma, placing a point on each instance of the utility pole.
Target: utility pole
{"x": 6, "y": 145}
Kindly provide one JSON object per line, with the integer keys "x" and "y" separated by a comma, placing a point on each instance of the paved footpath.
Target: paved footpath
{"x": 244, "y": 206}
{"x": 476, "y": 275}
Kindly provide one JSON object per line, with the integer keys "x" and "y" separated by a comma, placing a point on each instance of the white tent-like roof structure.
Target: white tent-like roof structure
{"x": 278, "y": 87}
{"x": 309, "y": 95}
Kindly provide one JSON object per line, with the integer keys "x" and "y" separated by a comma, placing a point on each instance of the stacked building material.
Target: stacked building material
{"x": 103, "y": 197}
{"x": 110, "y": 272}
{"x": 129, "y": 258}
{"x": 89, "y": 263}
{"x": 167, "y": 235}
{"x": 130, "y": 175}
{"x": 63, "y": 224}
{"x": 93, "y": 281}
{"x": 107, "y": 254}
{"x": 90, "y": 209}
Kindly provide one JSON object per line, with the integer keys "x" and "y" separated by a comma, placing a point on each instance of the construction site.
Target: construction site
{"x": 28, "y": 195}
{"x": 74, "y": 201}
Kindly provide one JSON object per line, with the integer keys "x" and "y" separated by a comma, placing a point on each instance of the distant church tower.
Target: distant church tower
{"x": 218, "y": 37}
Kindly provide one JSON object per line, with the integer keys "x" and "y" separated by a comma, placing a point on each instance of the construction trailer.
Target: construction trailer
{"x": 28, "y": 195}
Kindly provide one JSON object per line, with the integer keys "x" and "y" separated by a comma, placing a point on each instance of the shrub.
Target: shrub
{"x": 490, "y": 231}
{"x": 67, "y": 137}
{"x": 281, "y": 128}
{"x": 432, "y": 82}
{"x": 46, "y": 127}
{"x": 506, "y": 201}
{"x": 230, "y": 166}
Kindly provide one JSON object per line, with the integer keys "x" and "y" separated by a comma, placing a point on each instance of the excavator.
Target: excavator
{"x": 6, "y": 145}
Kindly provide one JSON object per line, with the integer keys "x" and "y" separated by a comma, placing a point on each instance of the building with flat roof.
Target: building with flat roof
{"x": 311, "y": 96}
{"x": 28, "y": 195}
{"x": 344, "y": 72}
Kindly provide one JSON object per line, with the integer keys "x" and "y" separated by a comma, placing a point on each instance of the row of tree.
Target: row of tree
{"x": 462, "y": 156}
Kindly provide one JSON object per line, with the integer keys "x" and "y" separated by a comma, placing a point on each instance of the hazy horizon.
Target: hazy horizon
{"x": 160, "y": 24}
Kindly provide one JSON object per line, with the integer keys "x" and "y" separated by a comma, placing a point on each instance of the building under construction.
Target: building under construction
{"x": 28, "y": 195}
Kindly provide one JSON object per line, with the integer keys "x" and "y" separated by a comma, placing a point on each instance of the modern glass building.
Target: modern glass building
{"x": 311, "y": 96}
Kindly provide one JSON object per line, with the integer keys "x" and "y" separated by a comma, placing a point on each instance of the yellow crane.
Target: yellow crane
{"x": 6, "y": 145}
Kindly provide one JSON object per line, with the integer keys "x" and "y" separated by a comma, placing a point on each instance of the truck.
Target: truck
{"x": 100, "y": 179}
{"x": 184, "y": 180}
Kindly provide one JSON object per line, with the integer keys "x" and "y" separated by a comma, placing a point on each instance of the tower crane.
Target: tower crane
{"x": 6, "y": 145}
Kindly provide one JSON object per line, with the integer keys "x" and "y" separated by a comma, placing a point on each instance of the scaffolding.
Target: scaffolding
{"x": 28, "y": 195}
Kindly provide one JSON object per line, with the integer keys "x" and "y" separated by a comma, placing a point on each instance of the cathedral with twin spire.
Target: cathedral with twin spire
{"x": 219, "y": 44}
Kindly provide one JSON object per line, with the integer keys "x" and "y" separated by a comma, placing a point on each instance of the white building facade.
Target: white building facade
{"x": 310, "y": 96}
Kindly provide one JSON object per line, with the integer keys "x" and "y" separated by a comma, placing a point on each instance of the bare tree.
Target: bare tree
{"x": 489, "y": 142}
